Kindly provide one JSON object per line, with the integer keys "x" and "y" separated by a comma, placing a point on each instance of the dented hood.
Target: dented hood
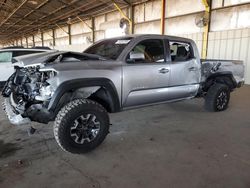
{"x": 47, "y": 58}
{"x": 33, "y": 59}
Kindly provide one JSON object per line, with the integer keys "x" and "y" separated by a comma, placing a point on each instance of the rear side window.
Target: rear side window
{"x": 5, "y": 57}
{"x": 23, "y": 52}
{"x": 180, "y": 51}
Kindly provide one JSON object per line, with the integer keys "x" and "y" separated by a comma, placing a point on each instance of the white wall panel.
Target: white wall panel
{"x": 216, "y": 3}
{"x": 231, "y": 45}
{"x": 99, "y": 35}
{"x": 139, "y": 13}
{"x": 230, "y": 18}
{"x": 37, "y": 37}
{"x": 181, "y": 25}
{"x": 80, "y": 27}
{"x": 38, "y": 43}
{"x": 98, "y": 21}
{"x": 48, "y": 43}
{"x": 61, "y": 32}
{"x": 62, "y": 41}
{"x": 30, "y": 41}
{"x": 148, "y": 28}
{"x": 180, "y": 7}
{"x": 235, "y": 2}
{"x": 152, "y": 10}
{"x": 48, "y": 35}
{"x": 114, "y": 15}
{"x": 81, "y": 39}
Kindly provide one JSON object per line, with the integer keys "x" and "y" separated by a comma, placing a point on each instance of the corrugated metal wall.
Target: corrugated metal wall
{"x": 228, "y": 38}
{"x": 231, "y": 44}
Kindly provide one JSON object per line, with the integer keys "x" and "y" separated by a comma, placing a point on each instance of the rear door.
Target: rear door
{"x": 145, "y": 79}
{"x": 185, "y": 71}
{"x": 6, "y": 67}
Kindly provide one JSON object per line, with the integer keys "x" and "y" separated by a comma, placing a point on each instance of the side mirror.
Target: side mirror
{"x": 136, "y": 56}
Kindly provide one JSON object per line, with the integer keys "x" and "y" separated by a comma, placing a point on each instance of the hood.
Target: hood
{"x": 33, "y": 59}
{"x": 52, "y": 58}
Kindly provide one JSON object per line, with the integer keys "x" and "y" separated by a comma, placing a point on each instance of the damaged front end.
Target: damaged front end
{"x": 27, "y": 95}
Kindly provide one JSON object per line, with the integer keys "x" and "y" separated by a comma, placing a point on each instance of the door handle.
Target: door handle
{"x": 163, "y": 70}
{"x": 192, "y": 69}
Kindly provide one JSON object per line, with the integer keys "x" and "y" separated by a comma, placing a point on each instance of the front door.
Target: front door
{"x": 145, "y": 74}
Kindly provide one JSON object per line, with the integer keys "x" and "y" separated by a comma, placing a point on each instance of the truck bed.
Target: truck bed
{"x": 236, "y": 67}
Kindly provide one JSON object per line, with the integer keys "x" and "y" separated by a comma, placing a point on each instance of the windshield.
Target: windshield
{"x": 109, "y": 49}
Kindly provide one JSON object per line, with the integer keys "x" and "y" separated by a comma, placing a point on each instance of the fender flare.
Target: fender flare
{"x": 226, "y": 74}
{"x": 72, "y": 85}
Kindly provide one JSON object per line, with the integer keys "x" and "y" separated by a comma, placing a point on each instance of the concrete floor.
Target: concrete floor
{"x": 170, "y": 145}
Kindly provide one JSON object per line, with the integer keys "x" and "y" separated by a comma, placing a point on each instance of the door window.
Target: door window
{"x": 180, "y": 51}
{"x": 147, "y": 51}
{"x": 5, "y": 57}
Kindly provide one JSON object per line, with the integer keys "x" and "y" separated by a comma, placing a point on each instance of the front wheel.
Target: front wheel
{"x": 81, "y": 126}
{"x": 217, "y": 98}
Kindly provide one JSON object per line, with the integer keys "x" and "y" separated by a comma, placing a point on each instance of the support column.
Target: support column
{"x": 42, "y": 39}
{"x": 163, "y": 9}
{"x": 33, "y": 40}
{"x": 206, "y": 29}
{"x": 69, "y": 32}
{"x": 27, "y": 43}
{"x": 131, "y": 8}
{"x": 53, "y": 37}
{"x": 93, "y": 29}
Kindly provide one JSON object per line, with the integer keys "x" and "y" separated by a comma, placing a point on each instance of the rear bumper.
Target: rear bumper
{"x": 14, "y": 117}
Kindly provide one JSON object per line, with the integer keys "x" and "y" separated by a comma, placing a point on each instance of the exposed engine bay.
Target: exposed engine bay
{"x": 28, "y": 88}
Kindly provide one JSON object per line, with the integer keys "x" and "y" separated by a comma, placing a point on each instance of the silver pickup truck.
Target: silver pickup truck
{"x": 77, "y": 90}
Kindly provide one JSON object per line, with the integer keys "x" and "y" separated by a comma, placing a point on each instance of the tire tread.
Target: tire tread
{"x": 61, "y": 118}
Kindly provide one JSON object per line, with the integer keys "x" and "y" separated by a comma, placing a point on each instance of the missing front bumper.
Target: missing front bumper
{"x": 14, "y": 118}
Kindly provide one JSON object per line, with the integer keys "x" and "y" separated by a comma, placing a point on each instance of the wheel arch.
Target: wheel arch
{"x": 226, "y": 78}
{"x": 102, "y": 90}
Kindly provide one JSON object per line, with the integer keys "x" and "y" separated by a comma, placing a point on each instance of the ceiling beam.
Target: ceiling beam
{"x": 52, "y": 25}
{"x": 38, "y": 7}
{"x": 13, "y": 12}
{"x": 127, "y": 2}
{"x": 45, "y": 16}
{"x": 56, "y": 19}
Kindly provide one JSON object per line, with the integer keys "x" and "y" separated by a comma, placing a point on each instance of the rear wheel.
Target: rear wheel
{"x": 217, "y": 97}
{"x": 81, "y": 126}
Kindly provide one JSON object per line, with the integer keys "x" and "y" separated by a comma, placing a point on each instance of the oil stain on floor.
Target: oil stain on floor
{"x": 8, "y": 149}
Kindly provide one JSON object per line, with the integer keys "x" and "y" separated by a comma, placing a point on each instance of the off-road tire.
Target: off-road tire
{"x": 213, "y": 95}
{"x": 66, "y": 117}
